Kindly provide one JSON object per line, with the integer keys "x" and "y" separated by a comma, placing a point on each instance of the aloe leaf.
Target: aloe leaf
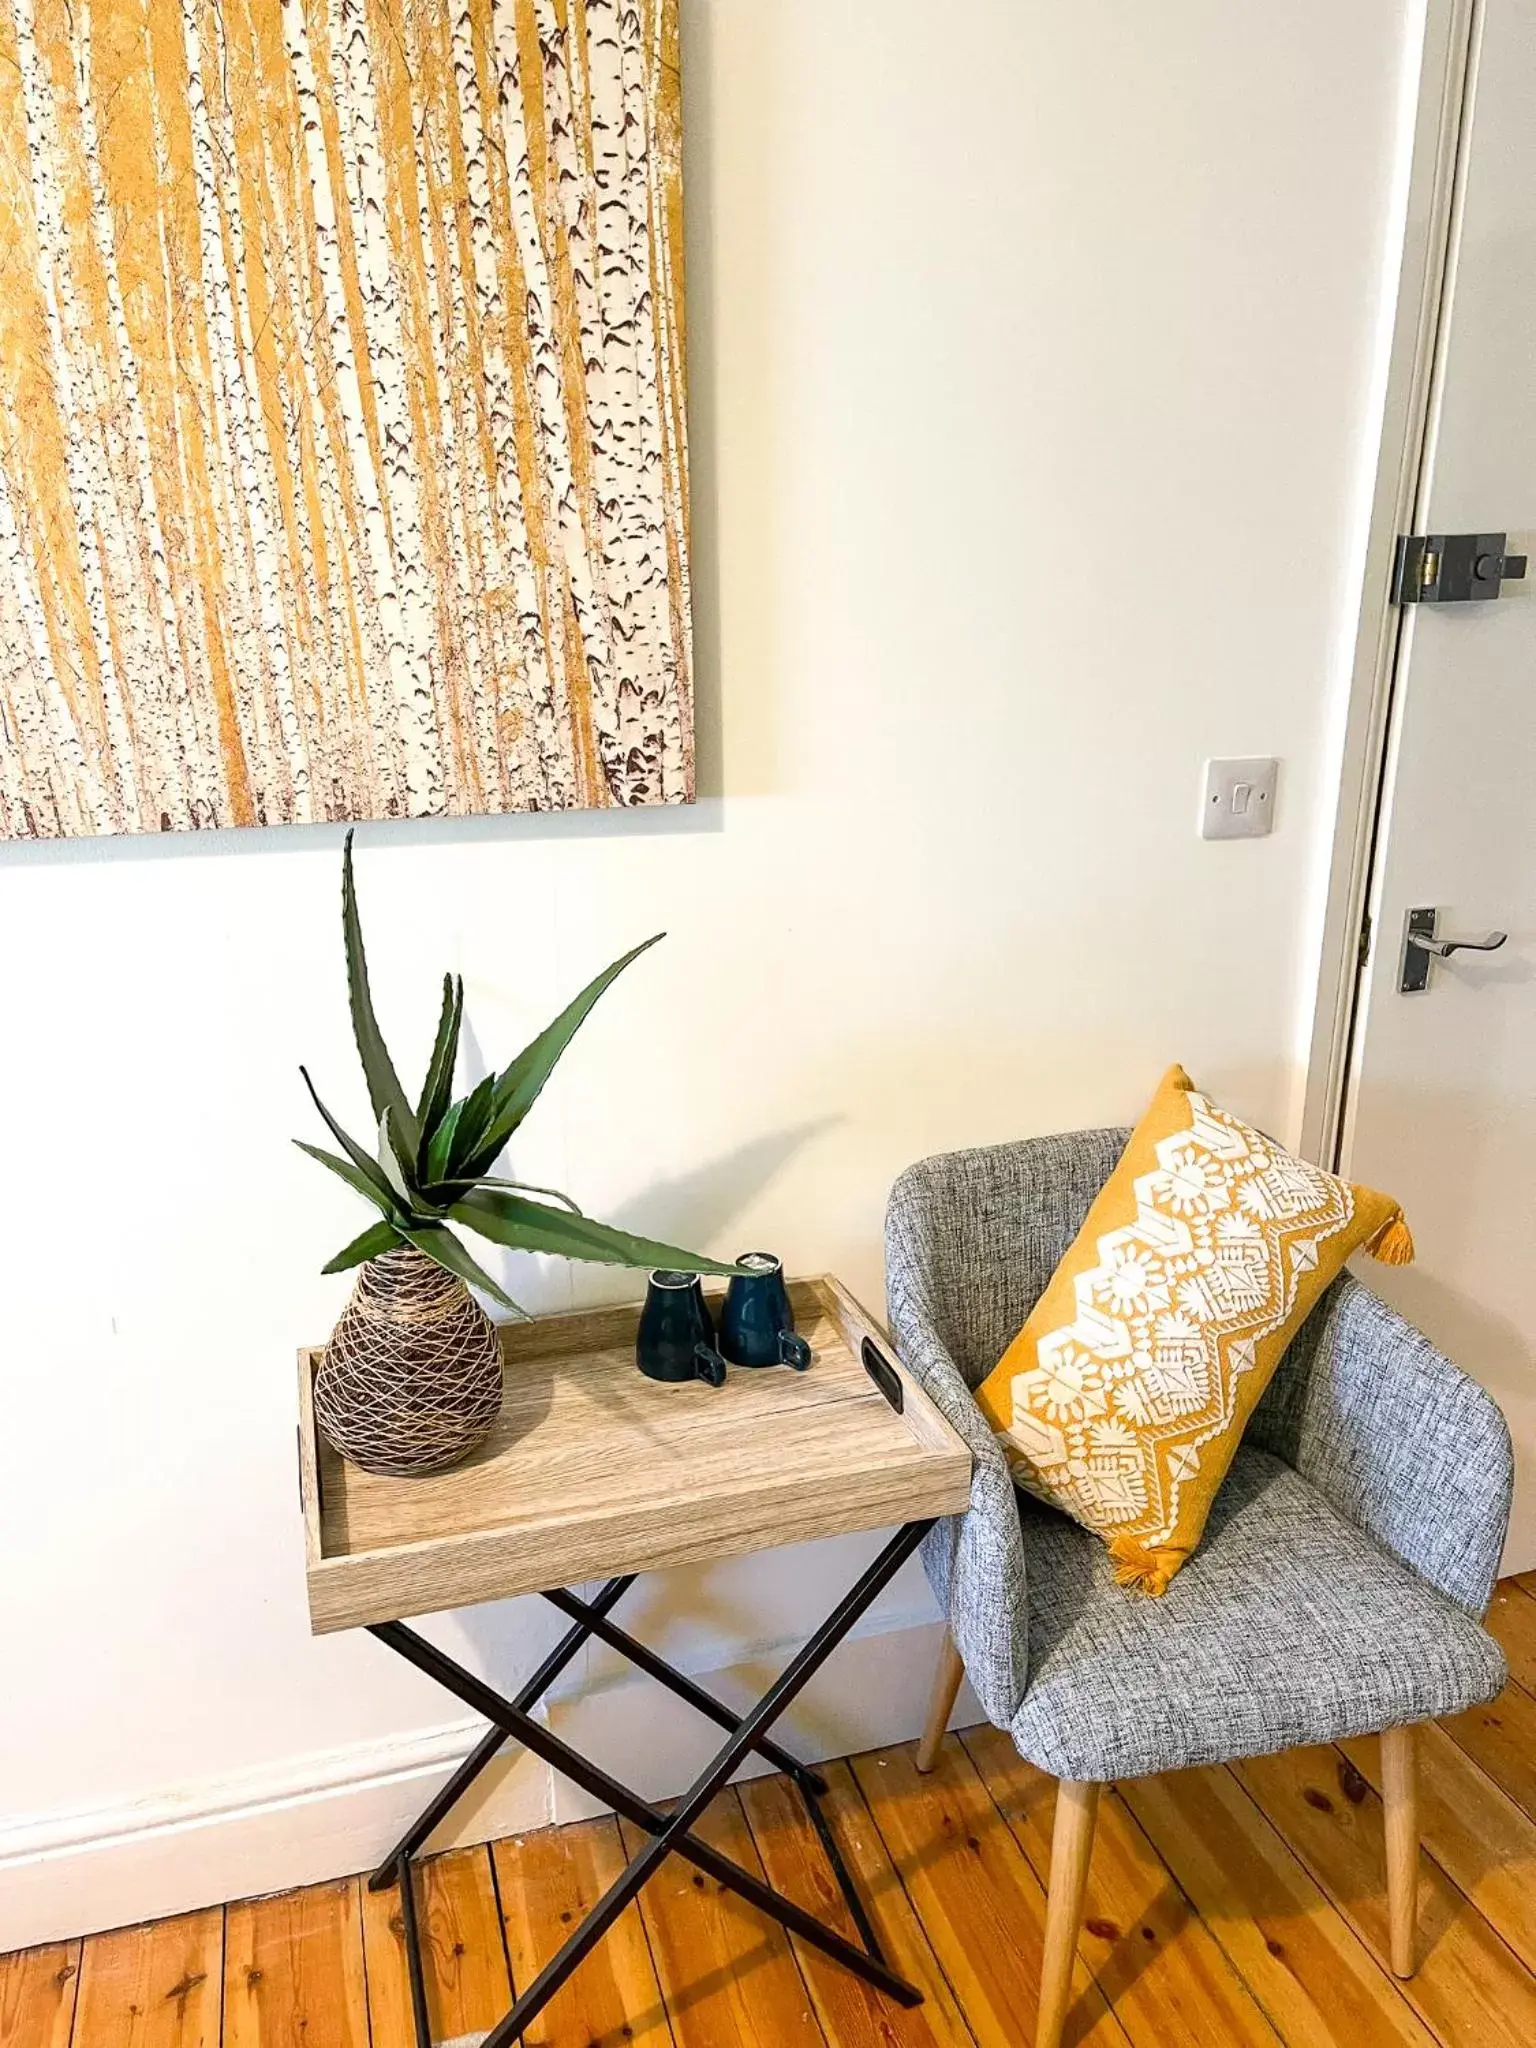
{"x": 534, "y": 1227}
{"x": 469, "y": 1135}
{"x": 528, "y": 1187}
{"x": 444, "y": 1249}
{"x": 389, "y": 1160}
{"x": 518, "y": 1086}
{"x": 384, "y": 1090}
{"x": 441, "y": 1192}
{"x": 439, "y": 1149}
{"x": 377, "y": 1238}
{"x": 437, "y": 1089}
{"x": 364, "y": 1162}
{"x": 380, "y": 1197}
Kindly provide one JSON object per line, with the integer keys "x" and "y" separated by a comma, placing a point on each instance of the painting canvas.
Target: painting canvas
{"x": 342, "y": 418}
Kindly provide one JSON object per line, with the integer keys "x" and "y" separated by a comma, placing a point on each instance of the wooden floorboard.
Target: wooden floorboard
{"x": 1160, "y": 1969}
{"x": 852, "y": 2014}
{"x": 1475, "y": 1832}
{"x": 1470, "y": 1989}
{"x": 728, "y": 1975}
{"x": 158, "y": 1986}
{"x": 1512, "y": 1619}
{"x": 294, "y": 1970}
{"x": 982, "y": 1906}
{"x": 1241, "y": 1907}
{"x": 1501, "y": 1738}
{"x": 1308, "y": 1969}
{"x": 37, "y": 1995}
{"x": 465, "y": 1958}
{"x": 547, "y": 1882}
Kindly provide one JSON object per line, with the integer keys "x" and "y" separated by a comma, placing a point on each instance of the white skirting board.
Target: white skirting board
{"x": 326, "y": 1816}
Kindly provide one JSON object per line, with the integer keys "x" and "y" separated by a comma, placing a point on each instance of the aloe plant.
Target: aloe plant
{"x": 431, "y": 1167}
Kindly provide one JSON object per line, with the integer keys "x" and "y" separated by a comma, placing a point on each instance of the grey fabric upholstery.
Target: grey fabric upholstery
{"x": 1285, "y": 1627}
{"x": 1402, "y": 1443}
{"x": 1377, "y": 1445}
{"x": 980, "y": 1234}
{"x": 971, "y": 1238}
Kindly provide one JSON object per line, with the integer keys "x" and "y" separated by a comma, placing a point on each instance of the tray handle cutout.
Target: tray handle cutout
{"x": 878, "y": 1366}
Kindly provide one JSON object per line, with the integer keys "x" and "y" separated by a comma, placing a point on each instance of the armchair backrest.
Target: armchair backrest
{"x": 1399, "y": 1440}
{"x": 987, "y": 1229}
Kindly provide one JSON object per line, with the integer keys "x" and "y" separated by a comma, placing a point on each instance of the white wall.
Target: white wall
{"x": 1032, "y": 363}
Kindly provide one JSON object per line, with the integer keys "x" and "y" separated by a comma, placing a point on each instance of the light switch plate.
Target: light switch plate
{"x": 1238, "y": 801}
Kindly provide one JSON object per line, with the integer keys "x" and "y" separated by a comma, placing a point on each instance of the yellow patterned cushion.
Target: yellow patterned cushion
{"x": 1125, "y": 1395}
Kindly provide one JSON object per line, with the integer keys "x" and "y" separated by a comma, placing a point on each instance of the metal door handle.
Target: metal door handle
{"x": 1446, "y": 947}
{"x": 1420, "y": 942}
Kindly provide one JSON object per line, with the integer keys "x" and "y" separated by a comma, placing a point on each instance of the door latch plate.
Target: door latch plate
{"x": 1452, "y": 568}
{"x": 1423, "y": 940}
{"x": 1413, "y": 967}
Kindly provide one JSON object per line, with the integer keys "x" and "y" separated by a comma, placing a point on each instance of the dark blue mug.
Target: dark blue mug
{"x": 675, "y": 1340}
{"x": 757, "y": 1324}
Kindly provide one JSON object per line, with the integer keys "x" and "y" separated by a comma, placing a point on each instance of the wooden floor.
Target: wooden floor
{"x": 1224, "y": 1906}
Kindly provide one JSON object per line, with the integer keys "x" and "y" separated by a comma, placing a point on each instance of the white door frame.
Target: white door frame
{"x": 1426, "y": 273}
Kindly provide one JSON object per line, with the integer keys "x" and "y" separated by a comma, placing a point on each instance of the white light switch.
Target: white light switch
{"x": 1238, "y": 799}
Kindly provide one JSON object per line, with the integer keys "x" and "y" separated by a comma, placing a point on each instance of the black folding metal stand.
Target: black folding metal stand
{"x": 670, "y": 1833}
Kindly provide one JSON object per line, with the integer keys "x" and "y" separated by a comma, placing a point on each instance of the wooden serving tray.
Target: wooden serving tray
{"x": 593, "y": 1470}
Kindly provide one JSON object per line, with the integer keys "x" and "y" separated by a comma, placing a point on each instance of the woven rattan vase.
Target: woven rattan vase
{"x": 411, "y": 1379}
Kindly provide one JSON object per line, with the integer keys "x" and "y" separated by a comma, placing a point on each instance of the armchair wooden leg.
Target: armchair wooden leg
{"x": 946, "y": 1683}
{"x": 1400, "y": 1806}
{"x": 1077, "y": 1807}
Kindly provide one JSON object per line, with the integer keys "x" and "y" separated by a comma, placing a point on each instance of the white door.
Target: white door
{"x": 1441, "y": 1108}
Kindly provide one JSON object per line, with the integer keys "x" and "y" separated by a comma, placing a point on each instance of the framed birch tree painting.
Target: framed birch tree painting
{"x": 342, "y": 417}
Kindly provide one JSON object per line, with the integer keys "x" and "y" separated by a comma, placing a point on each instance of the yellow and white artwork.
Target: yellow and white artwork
{"x": 342, "y": 442}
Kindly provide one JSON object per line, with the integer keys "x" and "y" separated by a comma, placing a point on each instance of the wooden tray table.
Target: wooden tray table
{"x": 593, "y": 1470}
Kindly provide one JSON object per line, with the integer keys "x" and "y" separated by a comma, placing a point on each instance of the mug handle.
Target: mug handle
{"x": 794, "y": 1351}
{"x": 708, "y": 1365}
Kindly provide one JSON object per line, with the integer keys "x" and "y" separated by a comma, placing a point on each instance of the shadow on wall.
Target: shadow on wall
{"x": 723, "y": 1187}
{"x": 960, "y": 1091}
{"x": 686, "y": 1208}
{"x": 496, "y": 1640}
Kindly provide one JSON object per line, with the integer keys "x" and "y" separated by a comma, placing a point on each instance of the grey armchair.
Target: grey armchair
{"x": 1338, "y": 1589}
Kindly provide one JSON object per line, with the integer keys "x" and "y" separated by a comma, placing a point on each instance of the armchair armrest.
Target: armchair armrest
{"x": 974, "y": 1561}
{"x": 1400, "y": 1441}
{"x": 971, "y": 1238}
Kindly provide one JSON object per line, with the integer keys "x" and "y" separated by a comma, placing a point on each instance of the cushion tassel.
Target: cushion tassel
{"x": 1142, "y": 1569}
{"x": 1393, "y": 1243}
